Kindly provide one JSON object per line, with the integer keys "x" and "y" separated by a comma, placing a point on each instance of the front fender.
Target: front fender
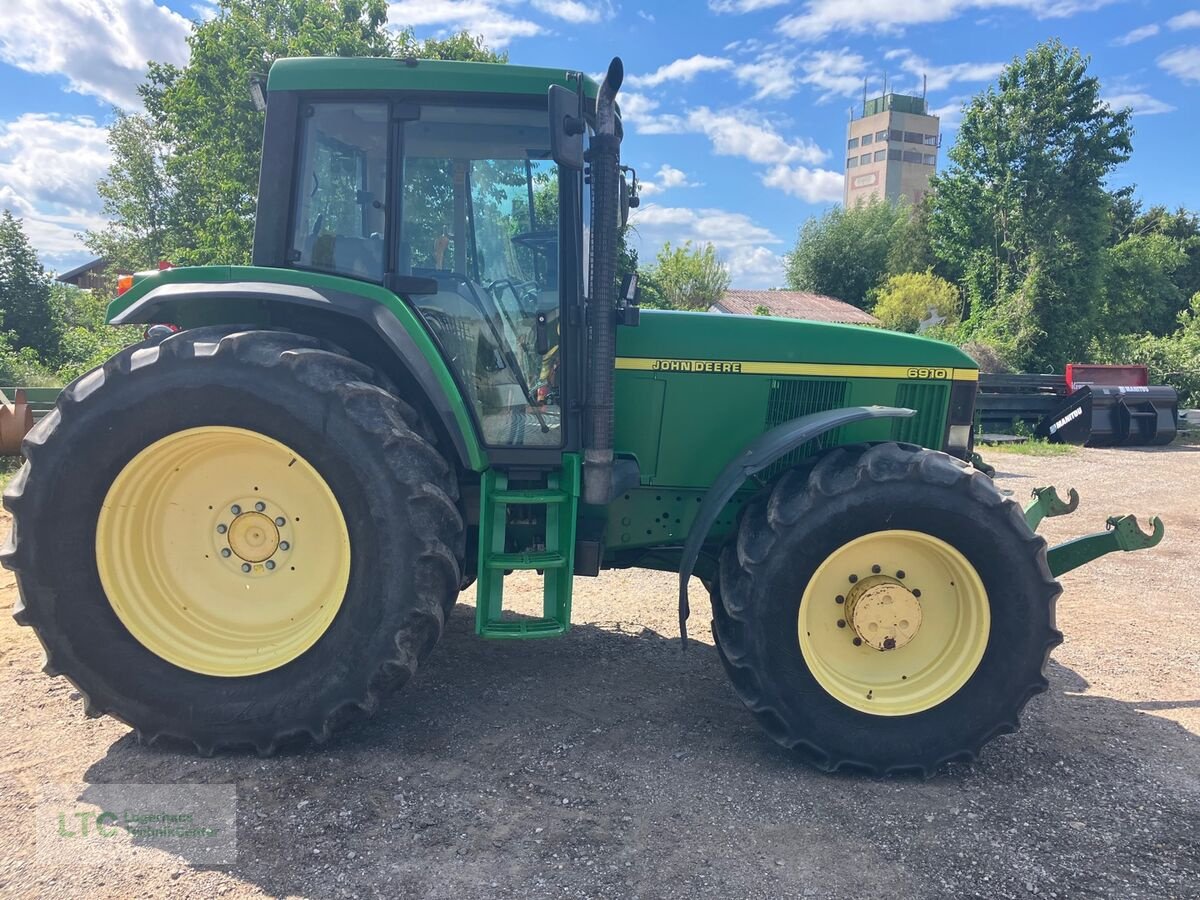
{"x": 756, "y": 456}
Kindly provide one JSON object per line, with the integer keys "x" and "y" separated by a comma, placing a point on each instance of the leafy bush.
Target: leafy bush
{"x": 904, "y": 301}
{"x": 1173, "y": 359}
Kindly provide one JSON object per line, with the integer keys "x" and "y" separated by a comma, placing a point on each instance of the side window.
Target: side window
{"x": 340, "y": 202}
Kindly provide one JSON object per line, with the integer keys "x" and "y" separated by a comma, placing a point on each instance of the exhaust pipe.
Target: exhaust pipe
{"x": 604, "y": 157}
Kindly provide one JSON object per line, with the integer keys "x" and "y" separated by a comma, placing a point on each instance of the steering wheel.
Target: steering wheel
{"x": 526, "y": 293}
{"x": 535, "y": 239}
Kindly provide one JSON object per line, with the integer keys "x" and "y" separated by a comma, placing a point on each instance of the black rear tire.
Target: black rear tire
{"x": 397, "y": 494}
{"x": 809, "y": 512}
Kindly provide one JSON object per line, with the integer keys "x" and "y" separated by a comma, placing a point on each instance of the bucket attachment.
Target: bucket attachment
{"x": 1112, "y": 406}
{"x": 16, "y": 419}
{"x": 1123, "y": 533}
{"x": 1047, "y": 504}
{"x": 1130, "y": 416}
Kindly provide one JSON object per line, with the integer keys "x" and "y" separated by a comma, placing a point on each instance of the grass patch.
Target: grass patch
{"x": 1030, "y": 447}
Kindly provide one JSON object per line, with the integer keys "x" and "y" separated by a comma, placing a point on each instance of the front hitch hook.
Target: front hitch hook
{"x": 1047, "y": 504}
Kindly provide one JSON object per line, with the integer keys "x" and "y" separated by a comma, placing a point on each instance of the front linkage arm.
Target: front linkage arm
{"x": 1123, "y": 534}
{"x": 1046, "y": 504}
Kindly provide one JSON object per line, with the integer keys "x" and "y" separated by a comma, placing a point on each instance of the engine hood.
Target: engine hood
{"x": 666, "y": 337}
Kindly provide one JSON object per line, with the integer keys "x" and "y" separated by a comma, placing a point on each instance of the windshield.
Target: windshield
{"x": 480, "y": 216}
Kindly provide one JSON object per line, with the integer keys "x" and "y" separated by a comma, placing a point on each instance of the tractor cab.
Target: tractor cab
{"x": 454, "y": 203}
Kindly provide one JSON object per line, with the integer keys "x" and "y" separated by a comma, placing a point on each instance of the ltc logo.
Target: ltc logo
{"x": 928, "y": 373}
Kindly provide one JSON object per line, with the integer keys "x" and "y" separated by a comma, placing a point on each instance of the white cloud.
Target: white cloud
{"x": 771, "y": 74}
{"x": 1139, "y": 101}
{"x": 950, "y": 114}
{"x": 1183, "y": 63}
{"x": 820, "y": 18}
{"x": 742, "y": 244}
{"x": 649, "y": 17}
{"x": 49, "y": 166}
{"x": 1137, "y": 34}
{"x": 742, "y": 6}
{"x": 836, "y": 73}
{"x": 941, "y": 77}
{"x": 810, "y": 185}
{"x": 99, "y": 46}
{"x": 740, "y": 132}
{"x": 680, "y": 70}
{"x": 1189, "y": 19}
{"x": 665, "y": 179}
{"x": 573, "y": 11}
{"x": 485, "y": 18}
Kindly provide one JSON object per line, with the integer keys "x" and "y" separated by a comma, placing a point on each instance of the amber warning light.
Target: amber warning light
{"x": 124, "y": 283}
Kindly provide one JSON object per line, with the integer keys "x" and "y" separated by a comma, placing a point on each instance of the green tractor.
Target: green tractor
{"x": 239, "y": 531}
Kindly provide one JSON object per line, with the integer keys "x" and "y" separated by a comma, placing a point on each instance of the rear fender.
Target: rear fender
{"x": 756, "y": 456}
{"x": 391, "y": 331}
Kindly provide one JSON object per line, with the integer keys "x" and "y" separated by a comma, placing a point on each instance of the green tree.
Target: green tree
{"x": 1022, "y": 212}
{"x": 904, "y": 301}
{"x": 847, "y": 252}
{"x": 137, "y": 197}
{"x": 87, "y": 338}
{"x": 685, "y": 277}
{"x": 1141, "y": 293}
{"x": 206, "y": 133}
{"x": 27, "y": 312}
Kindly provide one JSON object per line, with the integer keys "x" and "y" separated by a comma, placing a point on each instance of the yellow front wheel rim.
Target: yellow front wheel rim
{"x": 223, "y": 551}
{"x": 894, "y": 623}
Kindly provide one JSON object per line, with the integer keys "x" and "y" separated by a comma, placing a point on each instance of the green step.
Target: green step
{"x": 525, "y": 628}
{"x": 556, "y": 560}
{"x": 538, "y": 497}
{"x": 544, "y": 560}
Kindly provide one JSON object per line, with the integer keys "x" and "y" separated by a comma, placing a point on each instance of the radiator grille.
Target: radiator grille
{"x": 925, "y": 428}
{"x": 791, "y": 398}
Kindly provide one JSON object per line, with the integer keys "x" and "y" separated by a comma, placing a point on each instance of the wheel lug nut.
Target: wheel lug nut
{"x": 280, "y": 521}
{"x": 853, "y": 579}
{"x": 900, "y": 574}
{"x": 839, "y": 599}
{"x": 876, "y": 570}
{"x": 222, "y": 528}
{"x": 226, "y": 551}
{"x": 858, "y": 642}
{"x": 260, "y": 506}
{"x": 916, "y": 592}
{"x": 284, "y": 545}
{"x": 235, "y": 509}
{"x": 245, "y": 567}
{"x": 841, "y": 623}
{"x": 270, "y": 564}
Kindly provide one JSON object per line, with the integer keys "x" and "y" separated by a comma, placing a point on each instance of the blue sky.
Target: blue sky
{"x": 735, "y": 109}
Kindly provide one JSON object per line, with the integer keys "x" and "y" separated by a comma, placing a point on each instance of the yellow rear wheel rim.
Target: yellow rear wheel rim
{"x": 934, "y": 641}
{"x": 223, "y": 551}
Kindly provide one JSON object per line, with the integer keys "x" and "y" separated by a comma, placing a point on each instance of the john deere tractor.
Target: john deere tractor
{"x": 240, "y": 530}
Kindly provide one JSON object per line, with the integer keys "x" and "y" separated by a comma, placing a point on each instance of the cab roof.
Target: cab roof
{"x": 336, "y": 73}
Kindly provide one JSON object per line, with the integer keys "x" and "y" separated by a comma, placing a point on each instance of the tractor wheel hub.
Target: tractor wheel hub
{"x": 254, "y": 537}
{"x": 883, "y": 613}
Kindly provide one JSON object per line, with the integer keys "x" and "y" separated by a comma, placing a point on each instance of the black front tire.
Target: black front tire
{"x": 809, "y": 512}
{"x": 397, "y": 493}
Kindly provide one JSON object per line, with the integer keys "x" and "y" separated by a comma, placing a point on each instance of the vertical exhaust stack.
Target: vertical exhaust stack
{"x": 604, "y": 157}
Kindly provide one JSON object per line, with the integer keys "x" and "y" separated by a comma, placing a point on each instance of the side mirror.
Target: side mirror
{"x": 625, "y": 204}
{"x": 566, "y": 127}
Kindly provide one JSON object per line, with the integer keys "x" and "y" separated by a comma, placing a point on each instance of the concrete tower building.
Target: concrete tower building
{"x": 891, "y": 149}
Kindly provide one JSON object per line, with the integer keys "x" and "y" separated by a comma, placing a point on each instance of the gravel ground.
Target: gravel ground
{"x": 610, "y": 764}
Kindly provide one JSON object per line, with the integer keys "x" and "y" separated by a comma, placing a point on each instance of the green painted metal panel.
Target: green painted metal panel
{"x": 716, "y": 388}
{"x": 335, "y": 73}
{"x": 234, "y": 310}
